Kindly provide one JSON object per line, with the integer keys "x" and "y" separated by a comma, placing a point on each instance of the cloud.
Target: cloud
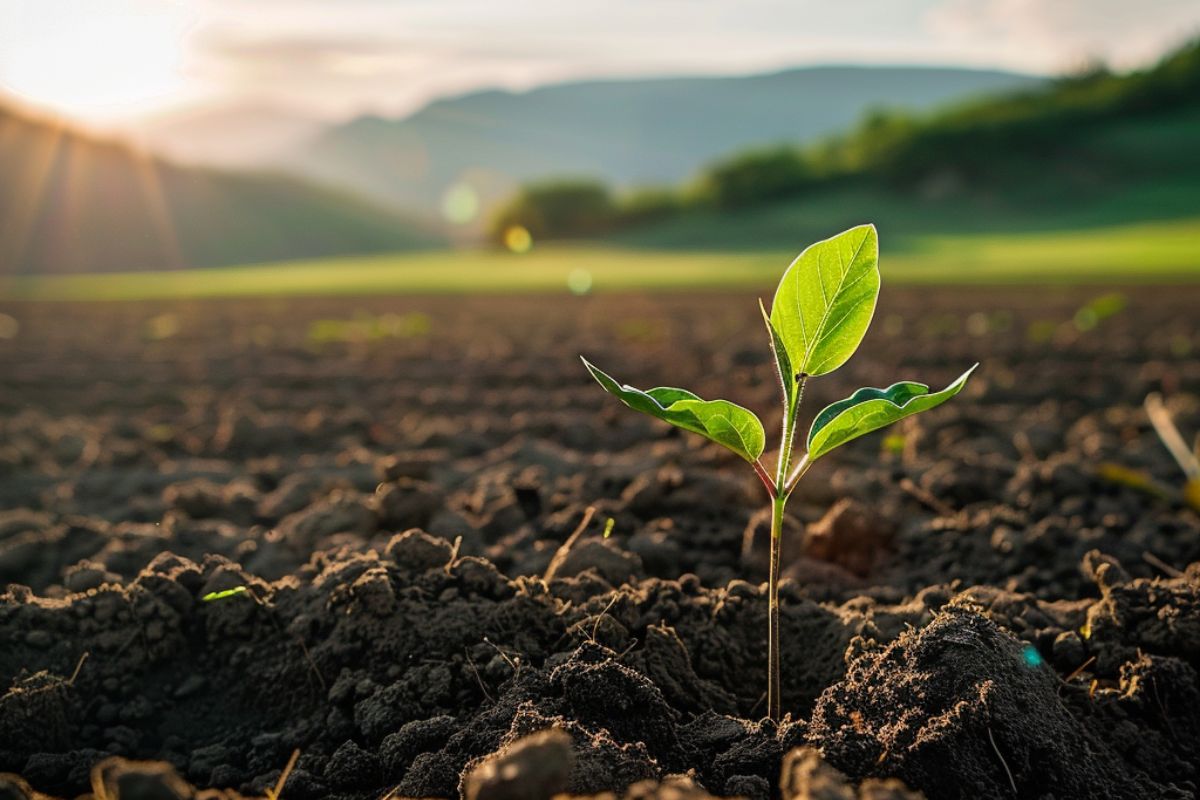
{"x": 1060, "y": 34}
{"x": 249, "y": 55}
{"x": 341, "y": 57}
{"x": 391, "y": 56}
{"x": 344, "y": 73}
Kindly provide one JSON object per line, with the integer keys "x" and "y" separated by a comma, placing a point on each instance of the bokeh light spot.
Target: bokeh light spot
{"x": 162, "y": 326}
{"x": 460, "y": 204}
{"x": 518, "y": 239}
{"x": 579, "y": 281}
{"x": 1032, "y": 657}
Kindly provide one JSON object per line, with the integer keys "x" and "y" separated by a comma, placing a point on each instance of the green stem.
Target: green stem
{"x": 774, "y": 703}
{"x": 778, "y": 502}
{"x": 797, "y": 474}
{"x": 785, "y": 449}
{"x": 789, "y": 434}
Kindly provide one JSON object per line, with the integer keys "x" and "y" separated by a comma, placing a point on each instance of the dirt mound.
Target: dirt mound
{"x": 961, "y": 708}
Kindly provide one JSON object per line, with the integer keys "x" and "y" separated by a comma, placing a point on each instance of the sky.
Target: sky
{"x": 116, "y": 61}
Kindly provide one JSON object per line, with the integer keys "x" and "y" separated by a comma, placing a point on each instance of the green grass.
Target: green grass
{"x": 1155, "y": 252}
{"x": 1146, "y": 252}
{"x": 904, "y": 220}
{"x": 1125, "y": 172}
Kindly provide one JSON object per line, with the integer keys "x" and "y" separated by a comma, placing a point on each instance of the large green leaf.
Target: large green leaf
{"x": 719, "y": 420}
{"x": 871, "y": 409}
{"x": 826, "y": 299}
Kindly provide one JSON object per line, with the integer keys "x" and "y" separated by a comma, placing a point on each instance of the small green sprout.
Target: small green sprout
{"x": 1099, "y": 309}
{"x": 211, "y": 596}
{"x": 608, "y": 527}
{"x": 821, "y": 311}
{"x": 894, "y": 444}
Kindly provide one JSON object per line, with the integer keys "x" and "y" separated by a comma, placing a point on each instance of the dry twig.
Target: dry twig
{"x": 1155, "y": 561}
{"x": 1003, "y": 763}
{"x": 560, "y": 555}
{"x": 273, "y": 794}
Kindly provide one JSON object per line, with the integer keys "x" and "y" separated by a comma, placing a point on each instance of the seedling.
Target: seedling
{"x": 213, "y": 596}
{"x": 820, "y": 313}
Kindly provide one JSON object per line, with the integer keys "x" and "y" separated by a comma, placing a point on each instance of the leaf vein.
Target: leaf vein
{"x": 808, "y": 349}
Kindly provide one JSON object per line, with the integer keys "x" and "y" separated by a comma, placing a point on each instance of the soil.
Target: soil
{"x": 997, "y": 599}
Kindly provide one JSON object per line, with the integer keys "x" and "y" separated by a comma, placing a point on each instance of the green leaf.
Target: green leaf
{"x": 719, "y": 420}
{"x": 211, "y": 596}
{"x": 783, "y": 363}
{"x": 826, "y": 299}
{"x": 871, "y": 409}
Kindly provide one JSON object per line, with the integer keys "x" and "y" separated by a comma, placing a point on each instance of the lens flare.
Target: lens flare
{"x": 579, "y": 281}
{"x": 460, "y": 204}
{"x": 1031, "y": 655}
{"x": 518, "y": 239}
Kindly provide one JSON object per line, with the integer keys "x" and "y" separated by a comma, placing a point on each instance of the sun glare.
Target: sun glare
{"x": 92, "y": 60}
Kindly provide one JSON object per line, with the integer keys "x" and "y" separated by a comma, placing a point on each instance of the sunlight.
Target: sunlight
{"x": 92, "y": 60}
{"x": 160, "y": 211}
{"x": 17, "y": 226}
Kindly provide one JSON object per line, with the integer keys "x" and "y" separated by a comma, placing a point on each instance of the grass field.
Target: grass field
{"x": 904, "y": 220}
{"x": 1160, "y": 252}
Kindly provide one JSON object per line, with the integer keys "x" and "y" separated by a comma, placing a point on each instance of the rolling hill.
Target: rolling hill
{"x": 74, "y": 203}
{"x": 1083, "y": 152}
{"x": 624, "y": 131}
{"x": 243, "y": 135}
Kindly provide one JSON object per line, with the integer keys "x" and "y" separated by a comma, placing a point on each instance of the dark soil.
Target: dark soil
{"x": 982, "y": 605}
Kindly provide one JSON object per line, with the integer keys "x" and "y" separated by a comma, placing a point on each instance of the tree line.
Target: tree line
{"x": 984, "y": 144}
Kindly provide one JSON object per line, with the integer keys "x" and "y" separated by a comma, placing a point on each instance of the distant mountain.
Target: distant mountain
{"x": 623, "y": 131}
{"x": 72, "y": 202}
{"x": 241, "y": 136}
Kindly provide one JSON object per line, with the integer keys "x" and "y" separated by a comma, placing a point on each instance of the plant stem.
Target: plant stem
{"x": 767, "y": 483}
{"x": 801, "y": 468}
{"x": 789, "y": 434}
{"x": 773, "y": 672}
{"x": 778, "y": 502}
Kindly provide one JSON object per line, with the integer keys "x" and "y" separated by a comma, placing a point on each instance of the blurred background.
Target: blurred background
{"x": 147, "y": 146}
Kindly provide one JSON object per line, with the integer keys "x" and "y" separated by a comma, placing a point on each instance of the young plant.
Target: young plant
{"x": 820, "y": 313}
